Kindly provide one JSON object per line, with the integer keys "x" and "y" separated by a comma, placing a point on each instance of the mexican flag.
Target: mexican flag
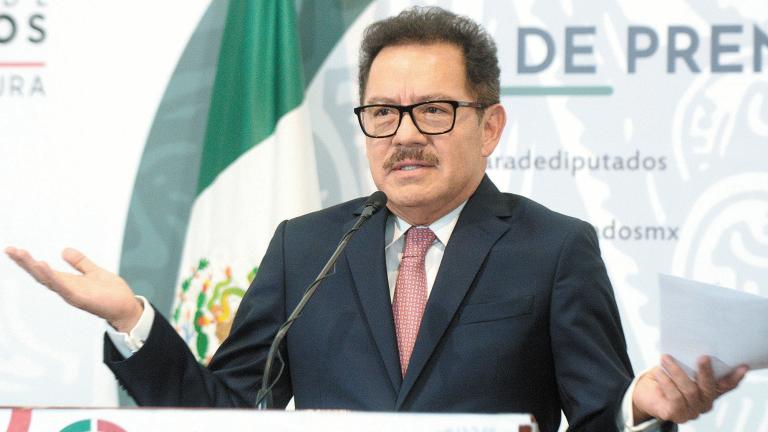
{"x": 257, "y": 169}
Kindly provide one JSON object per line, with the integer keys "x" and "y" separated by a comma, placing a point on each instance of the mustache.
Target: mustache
{"x": 418, "y": 154}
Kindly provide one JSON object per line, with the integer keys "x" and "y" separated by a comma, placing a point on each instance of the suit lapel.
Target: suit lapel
{"x": 365, "y": 256}
{"x": 476, "y": 231}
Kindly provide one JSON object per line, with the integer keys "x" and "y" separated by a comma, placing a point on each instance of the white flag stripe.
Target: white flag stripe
{"x": 232, "y": 221}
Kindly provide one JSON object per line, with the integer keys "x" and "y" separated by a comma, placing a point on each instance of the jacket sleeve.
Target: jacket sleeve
{"x": 165, "y": 373}
{"x": 590, "y": 354}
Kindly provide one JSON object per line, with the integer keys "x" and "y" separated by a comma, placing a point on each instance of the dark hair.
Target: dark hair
{"x": 426, "y": 25}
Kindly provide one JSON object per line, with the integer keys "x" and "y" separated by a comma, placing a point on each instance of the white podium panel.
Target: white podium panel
{"x": 199, "y": 420}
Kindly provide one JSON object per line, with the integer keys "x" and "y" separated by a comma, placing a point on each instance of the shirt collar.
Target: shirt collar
{"x": 443, "y": 227}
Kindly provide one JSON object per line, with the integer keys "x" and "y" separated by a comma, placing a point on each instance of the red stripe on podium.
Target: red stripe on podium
{"x": 20, "y": 420}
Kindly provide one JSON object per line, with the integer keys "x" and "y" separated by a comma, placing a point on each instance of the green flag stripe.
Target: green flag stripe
{"x": 258, "y": 80}
{"x": 321, "y": 25}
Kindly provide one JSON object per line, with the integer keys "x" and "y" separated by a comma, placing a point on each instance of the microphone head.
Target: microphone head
{"x": 377, "y": 200}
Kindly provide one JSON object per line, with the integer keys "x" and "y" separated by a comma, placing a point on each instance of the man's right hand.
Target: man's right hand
{"x": 95, "y": 290}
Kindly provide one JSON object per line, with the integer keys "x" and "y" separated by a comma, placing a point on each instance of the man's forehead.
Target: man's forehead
{"x": 413, "y": 73}
{"x": 444, "y": 49}
{"x": 382, "y": 99}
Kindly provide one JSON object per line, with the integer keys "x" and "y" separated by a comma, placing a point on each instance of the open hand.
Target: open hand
{"x": 667, "y": 393}
{"x": 95, "y": 290}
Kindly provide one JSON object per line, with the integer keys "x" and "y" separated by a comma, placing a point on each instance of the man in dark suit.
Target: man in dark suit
{"x": 457, "y": 297}
{"x": 521, "y": 318}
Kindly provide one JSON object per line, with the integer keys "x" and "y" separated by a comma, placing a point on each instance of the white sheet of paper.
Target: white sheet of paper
{"x": 701, "y": 319}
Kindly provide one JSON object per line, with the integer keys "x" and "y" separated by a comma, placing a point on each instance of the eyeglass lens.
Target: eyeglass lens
{"x": 431, "y": 118}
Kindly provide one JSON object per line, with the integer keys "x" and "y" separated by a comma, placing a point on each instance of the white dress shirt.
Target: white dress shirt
{"x": 394, "y": 241}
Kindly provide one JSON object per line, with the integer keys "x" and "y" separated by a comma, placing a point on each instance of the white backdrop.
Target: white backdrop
{"x": 678, "y": 181}
{"x": 68, "y": 159}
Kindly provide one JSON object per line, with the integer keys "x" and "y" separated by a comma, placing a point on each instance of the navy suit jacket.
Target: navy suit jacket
{"x": 521, "y": 318}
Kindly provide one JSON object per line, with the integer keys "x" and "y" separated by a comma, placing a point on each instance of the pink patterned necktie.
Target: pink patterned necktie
{"x": 411, "y": 291}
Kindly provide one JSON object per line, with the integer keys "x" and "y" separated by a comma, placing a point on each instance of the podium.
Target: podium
{"x": 193, "y": 420}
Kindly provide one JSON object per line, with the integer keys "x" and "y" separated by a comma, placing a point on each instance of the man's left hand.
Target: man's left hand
{"x": 667, "y": 393}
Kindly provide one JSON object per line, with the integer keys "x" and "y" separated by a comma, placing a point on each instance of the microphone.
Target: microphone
{"x": 373, "y": 204}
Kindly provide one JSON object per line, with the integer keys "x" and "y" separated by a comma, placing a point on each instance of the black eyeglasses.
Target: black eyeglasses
{"x": 430, "y": 118}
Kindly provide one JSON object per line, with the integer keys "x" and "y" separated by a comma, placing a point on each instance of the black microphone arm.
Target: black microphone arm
{"x": 374, "y": 203}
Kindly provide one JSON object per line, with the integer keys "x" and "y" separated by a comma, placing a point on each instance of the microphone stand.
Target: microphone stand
{"x": 264, "y": 395}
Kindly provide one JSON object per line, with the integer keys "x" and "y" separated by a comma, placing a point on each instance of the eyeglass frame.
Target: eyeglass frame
{"x": 403, "y": 109}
